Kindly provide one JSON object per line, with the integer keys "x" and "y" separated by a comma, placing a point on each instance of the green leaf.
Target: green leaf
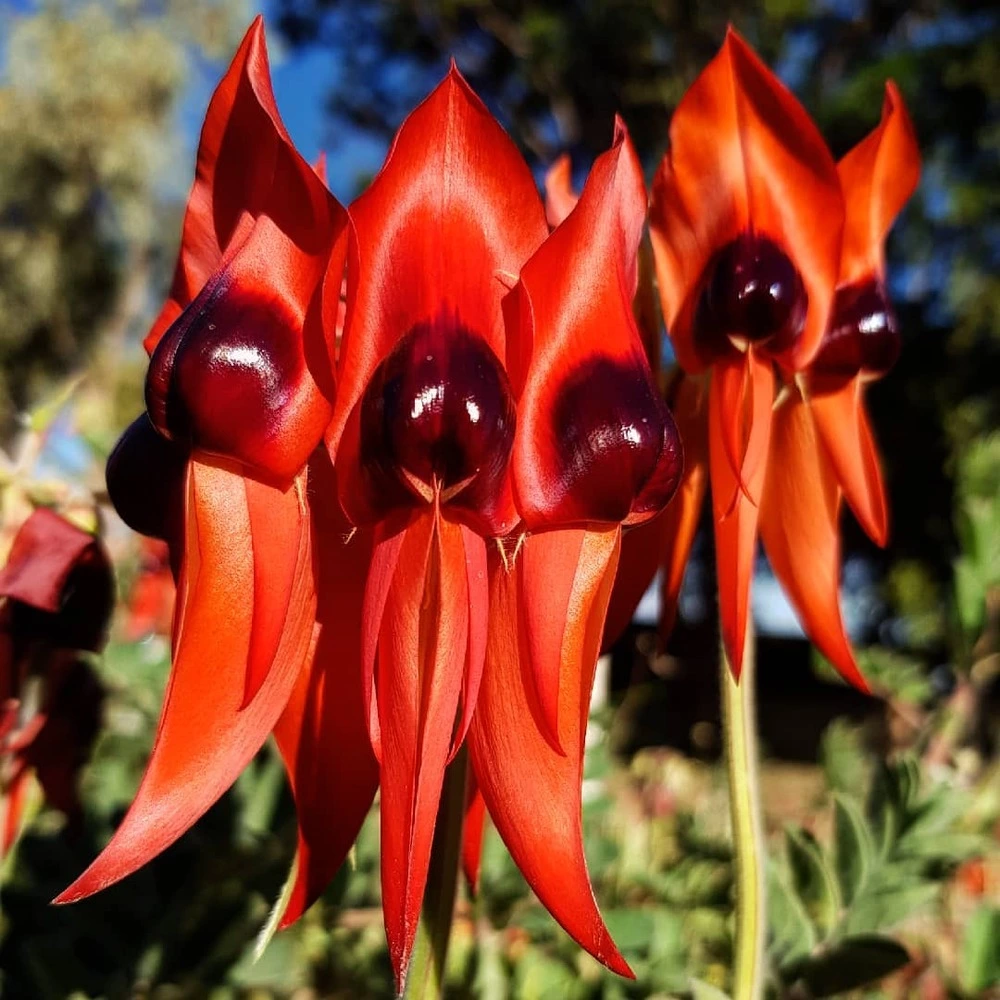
{"x": 882, "y": 910}
{"x": 883, "y": 808}
{"x": 793, "y": 935}
{"x": 842, "y": 756}
{"x": 812, "y": 879}
{"x": 631, "y": 929}
{"x": 980, "y": 962}
{"x": 701, "y": 990}
{"x": 850, "y": 964}
{"x": 854, "y": 851}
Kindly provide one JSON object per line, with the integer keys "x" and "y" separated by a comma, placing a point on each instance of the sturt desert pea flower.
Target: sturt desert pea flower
{"x": 595, "y": 449}
{"x": 225, "y": 466}
{"x": 423, "y": 430}
{"x": 747, "y": 220}
{"x": 822, "y": 446}
{"x": 150, "y": 603}
{"x": 56, "y": 597}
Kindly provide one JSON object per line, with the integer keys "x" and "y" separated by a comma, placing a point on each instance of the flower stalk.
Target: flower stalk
{"x": 739, "y": 719}
{"x": 426, "y": 974}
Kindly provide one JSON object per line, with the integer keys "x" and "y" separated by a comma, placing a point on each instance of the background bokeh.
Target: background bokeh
{"x": 100, "y": 106}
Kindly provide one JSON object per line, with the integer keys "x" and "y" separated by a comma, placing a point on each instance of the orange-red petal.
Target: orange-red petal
{"x": 847, "y": 439}
{"x": 736, "y": 492}
{"x": 206, "y": 736}
{"x": 438, "y": 237}
{"x": 323, "y": 732}
{"x": 878, "y": 176}
{"x": 472, "y": 832}
{"x": 744, "y": 157}
{"x": 422, "y": 657}
{"x": 560, "y": 198}
{"x": 533, "y": 792}
{"x": 799, "y": 528}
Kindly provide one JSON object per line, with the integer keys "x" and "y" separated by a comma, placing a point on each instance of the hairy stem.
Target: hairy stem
{"x": 743, "y": 772}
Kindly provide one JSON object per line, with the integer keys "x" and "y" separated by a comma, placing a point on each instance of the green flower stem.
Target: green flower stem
{"x": 425, "y": 977}
{"x": 739, "y": 721}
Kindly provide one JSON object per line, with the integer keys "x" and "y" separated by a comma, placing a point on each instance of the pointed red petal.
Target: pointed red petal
{"x": 878, "y": 176}
{"x": 472, "y": 833}
{"x": 734, "y": 509}
{"x": 595, "y": 440}
{"x": 205, "y": 736}
{"x": 437, "y": 237}
{"x": 479, "y": 610}
{"x": 560, "y": 198}
{"x": 744, "y": 156}
{"x": 843, "y": 428}
{"x": 421, "y": 666}
{"x": 533, "y": 793}
{"x": 798, "y": 526}
{"x": 323, "y": 732}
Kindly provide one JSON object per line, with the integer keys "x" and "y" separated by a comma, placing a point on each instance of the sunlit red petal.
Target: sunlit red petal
{"x": 846, "y": 435}
{"x": 744, "y": 157}
{"x": 799, "y": 528}
{"x": 323, "y": 732}
{"x": 595, "y": 440}
{"x": 560, "y": 198}
{"x": 472, "y": 833}
{"x": 533, "y": 792}
{"x": 439, "y": 236}
{"x": 422, "y": 657}
{"x": 206, "y": 736}
{"x": 878, "y": 176}
{"x": 735, "y": 492}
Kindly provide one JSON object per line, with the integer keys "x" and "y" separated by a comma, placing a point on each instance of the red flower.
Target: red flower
{"x": 239, "y": 392}
{"x": 56, "y": 596}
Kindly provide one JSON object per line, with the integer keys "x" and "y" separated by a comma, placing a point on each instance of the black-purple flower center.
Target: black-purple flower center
{"x": 752, "y": 295}
{"x": 862, "y": 336}
{"x": 437, "y": 417}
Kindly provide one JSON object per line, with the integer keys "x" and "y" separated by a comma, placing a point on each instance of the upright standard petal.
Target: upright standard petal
{"x": 531, "y": 790}
{"x": 745, "y": 160}
{"x": 207, "y": 733}
{"x": 243, "y": 368}
{"x": 437, "y": 240}
{"x": 323, "y": 732}
{"x": 799, "y": 529}
{"x": 595, "y": 442}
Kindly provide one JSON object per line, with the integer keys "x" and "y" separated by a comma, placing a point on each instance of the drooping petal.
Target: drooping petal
{"x": 245, "y": 369}
{"x": 736, "y": 491}
{"x": 422, "y": 656}
{"x": 799, "y": 528}
{"x": 323, "y": 732}
{"x": 560, "y": 198}
{"x": 533, "y": 792}
{"x": 596, "y": 442}
{"x": 745, "y": 157}
{"x": 666, "y": 541}
{"x": 472, "y": 833}
{"x": 847, "y": 439}
{"x": 206, "y": 736}
{"x": 438, "y": 237}
{"x": 878, "y": 176}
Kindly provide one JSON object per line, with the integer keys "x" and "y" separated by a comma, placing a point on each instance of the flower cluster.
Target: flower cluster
{"x": 399, "y": 451}
{"x": 392, "y": 449}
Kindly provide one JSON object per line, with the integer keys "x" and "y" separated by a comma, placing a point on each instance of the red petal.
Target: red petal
{"x": 532, "y": 792}
{"x": 206, "y": 736}
{"x": 422, "y": 655}
{"x": 744, "y": 156}
{"x": 667, "y": 539}
{"x": 560, "y": 198}
{"x": 593, "y": 431}
{"x": 438, "y": 236}
{"x": 323, "y": 732}
{"x": 878, "y": 176}
{"x": 45, "y": 551}
{"x": 472, "y": 833}
{"x": 842, "y": 425}
{"x": 735, "y": 513}
{"x": 479, "y": 610}
{"x": 798, "y": 525}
